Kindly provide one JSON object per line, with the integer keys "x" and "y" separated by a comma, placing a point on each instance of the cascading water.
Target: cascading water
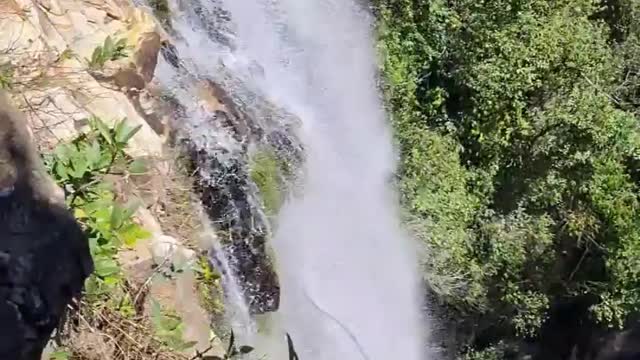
{"x": 348, "y": 274}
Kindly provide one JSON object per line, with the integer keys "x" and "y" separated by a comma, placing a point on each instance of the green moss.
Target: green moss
{"x": 209, "y": 287}
{"x": 265, "y": 173}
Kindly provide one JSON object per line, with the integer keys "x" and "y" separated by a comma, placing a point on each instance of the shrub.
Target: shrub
{"x": 79, "y": 167}
{"x": 109, "y": 51}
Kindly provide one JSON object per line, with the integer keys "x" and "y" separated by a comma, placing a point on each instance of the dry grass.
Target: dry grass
{"x": 97, "y": 331}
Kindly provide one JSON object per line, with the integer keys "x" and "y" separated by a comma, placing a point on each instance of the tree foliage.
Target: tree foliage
{"x": 521, "y": 152}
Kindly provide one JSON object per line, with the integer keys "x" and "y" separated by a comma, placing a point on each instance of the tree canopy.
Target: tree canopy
{"x": 517, "y": 123}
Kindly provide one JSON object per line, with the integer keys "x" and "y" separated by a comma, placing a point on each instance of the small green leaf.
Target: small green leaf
{"x": 111, "y": 280}
{"x": 120, "y": 129}
{"x": 96, "y": 57}
{"x": 79, "y": 166}
{"x": 93, "y": 244}
{"x": 79, "y": 213}
{"x": 91, "y": 286}
{"x": 127, "y": 133}
{"x": 102, "y": 128}
{"x": 61, "y": 171}
{"x": 108, "y": 47}
{"x": 118, "y": 216}
{"x": 169, "y": 323}
{"x": 106, "y": 267}
{"x": 93, "y": 154}
{"x": 61, "y": 152}
{"x": 132, "y": 233}
{"x": 105, "y": 160}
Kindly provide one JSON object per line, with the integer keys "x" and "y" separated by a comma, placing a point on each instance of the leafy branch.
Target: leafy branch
{"x": 80, "y": 167}
{"x": 110, "y": 51}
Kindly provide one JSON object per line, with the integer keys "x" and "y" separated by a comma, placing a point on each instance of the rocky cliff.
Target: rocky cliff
{"x": 66, "y": 61}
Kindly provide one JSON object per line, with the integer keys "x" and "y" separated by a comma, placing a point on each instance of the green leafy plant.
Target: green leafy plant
{"x": 205, "y": 273}
{"x": 110, "y": 51}
{"x": 490, "y": 353}
{"x": 208, "y": 284}
{"x": 517, "y": 123}
{"x": 80, "y": 167}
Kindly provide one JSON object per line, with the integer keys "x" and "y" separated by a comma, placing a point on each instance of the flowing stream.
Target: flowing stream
{"x": 348, "y": 274}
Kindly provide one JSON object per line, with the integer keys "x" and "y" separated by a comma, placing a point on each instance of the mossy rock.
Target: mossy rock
{"x": 265, "y": 170}
{"x": 209, "y": 288}
{"x": 211, "y": 294}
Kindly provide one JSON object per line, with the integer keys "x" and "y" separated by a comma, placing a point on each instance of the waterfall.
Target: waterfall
{"x": 349, "y": 287}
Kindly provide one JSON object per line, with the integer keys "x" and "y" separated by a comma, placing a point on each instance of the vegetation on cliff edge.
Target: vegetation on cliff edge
{"x": 517, "y": 122}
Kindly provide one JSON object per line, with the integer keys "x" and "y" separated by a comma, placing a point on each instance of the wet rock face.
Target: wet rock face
{"x": 44, "y": 260}
{"x": 228, "y": 195}
{"x": 228, "y": 202}
{"x": 218, "y": 128}
{"x": 215, "y": 20}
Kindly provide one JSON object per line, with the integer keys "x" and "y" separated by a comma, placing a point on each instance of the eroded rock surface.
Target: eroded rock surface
{"x": 47, "y": 45}
{"x": 220, "y": 123}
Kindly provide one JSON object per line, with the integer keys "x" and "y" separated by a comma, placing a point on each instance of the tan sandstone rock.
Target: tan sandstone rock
{"x": 48, "y": 45}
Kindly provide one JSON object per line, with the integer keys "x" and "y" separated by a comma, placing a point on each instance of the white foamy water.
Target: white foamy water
{"x": 349, "y": 281}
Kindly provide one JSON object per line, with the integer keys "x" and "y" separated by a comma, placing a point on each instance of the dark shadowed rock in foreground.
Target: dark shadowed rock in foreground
{"x": 44, "y": 260}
